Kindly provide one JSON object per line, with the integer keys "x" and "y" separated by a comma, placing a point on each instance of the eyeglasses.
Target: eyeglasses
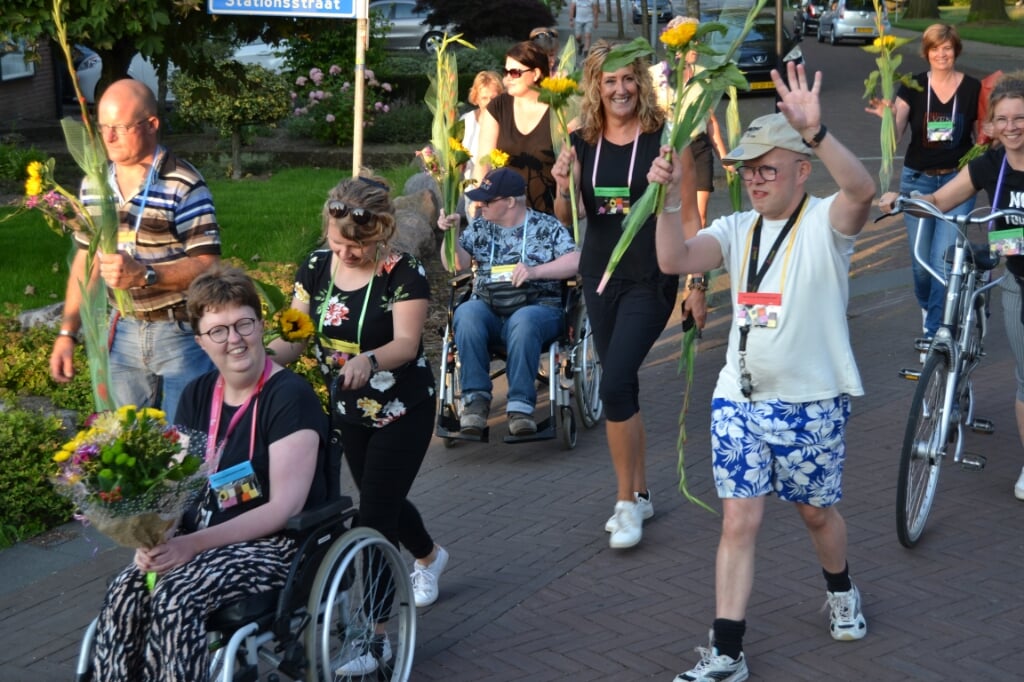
{"x": 1003, "y": 122}
{"x": 220, "y": 333}
{"x": 767, "y": 173}
{"x": 360, "y": 216}
{"x": 491, "y": 201}
{"x": 120, "y": 129}
{"x": 515, "y": 73}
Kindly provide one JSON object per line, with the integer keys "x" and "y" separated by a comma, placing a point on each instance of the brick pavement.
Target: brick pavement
{"x": 534, "y": 593}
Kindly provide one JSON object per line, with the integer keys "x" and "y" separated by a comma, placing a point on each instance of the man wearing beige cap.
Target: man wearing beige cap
{"x": 780, "y": 407}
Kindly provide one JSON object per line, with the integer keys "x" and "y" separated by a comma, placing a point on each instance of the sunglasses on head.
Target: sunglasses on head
{"x": 515, "y": 73}
{"x": 360, "y": 216}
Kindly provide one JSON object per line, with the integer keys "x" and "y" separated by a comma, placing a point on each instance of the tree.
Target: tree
{"x": 922, "y": 9}
{"x": 244, "y": 95}
{"x": 987, "y": 10}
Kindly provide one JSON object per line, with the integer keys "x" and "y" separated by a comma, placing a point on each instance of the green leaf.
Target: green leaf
{"x": 623, "y": 55}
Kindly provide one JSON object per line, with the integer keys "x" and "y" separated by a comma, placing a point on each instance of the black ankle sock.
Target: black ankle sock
{"x": 645, "y": 494}
{"x": 728, "y": 636}
{"x": 838, "y": 582}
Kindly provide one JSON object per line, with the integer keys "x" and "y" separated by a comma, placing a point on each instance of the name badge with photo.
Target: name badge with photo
{"x": 126, "y": 243}
{"x": 235, "y": 485}
{"x": 940, "y": 131}
{"x": 1006, "y": 242}
{"x": 502, "y": 273}
{"x": 612, "y": 200}
{"x": 756, "y": 309}
{"x": 340, "y": 351}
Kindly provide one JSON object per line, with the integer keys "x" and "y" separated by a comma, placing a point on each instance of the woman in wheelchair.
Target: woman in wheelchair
{"x": 520, "y": 255}
{"x": 266, "y": 434}
{"x": 369, "y": 306}
{"x": 618, "y": 138}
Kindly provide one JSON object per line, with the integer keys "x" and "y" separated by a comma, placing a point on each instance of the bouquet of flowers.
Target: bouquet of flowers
{"x": 694, "y": 98}
{"x": 131, "y": 474}
{"x": 880, "y": 87}
{"x": 445, "y": 158}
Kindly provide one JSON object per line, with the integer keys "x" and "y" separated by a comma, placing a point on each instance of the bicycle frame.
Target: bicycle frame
{"x": 958, "y": 318}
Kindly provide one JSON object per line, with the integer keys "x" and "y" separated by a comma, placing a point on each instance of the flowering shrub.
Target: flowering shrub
{"x": 323, "y": 103}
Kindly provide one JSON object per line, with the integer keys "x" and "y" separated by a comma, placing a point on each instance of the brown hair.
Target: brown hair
{"x": 369, "y": 192}
{"x": 485, "y": 79}
{"x": 530, "y": 55}
{"x": 937, "y": 34}
{"x": 218, "y": 288}
{"x": 650, "y": 115}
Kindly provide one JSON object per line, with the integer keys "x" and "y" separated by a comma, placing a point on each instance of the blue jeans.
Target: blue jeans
{"x": 152, "y": 362}
{"x": 523, "y": 334}
{"x": 936, "y": 238}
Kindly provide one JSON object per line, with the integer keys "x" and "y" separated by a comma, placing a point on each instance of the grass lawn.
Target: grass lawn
{"x": 274, "y": 219}
{"x": 1010, "y": 32}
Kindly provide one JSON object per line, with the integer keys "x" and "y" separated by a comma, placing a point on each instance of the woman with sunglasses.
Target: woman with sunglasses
{"x": 618, "y": 138}
{"x": 368, "y": 304}
{"x": 519, "y": 124}
{"x": 266, "y": 431}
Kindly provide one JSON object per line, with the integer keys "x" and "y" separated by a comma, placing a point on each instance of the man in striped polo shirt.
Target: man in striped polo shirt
{"x": 167, "y": 235}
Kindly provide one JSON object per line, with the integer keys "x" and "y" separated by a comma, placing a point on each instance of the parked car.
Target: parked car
{"x": 756, "y": 56}
{"x": 807, "y": 17}
{"x": 851, "y": 20}
{"x": 661, "y": 8}
{"x": 89, "y": 67}
{"x": 409, "y": 30}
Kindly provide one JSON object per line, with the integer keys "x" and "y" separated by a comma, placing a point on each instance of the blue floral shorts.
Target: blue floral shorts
{"x": 796, "y": 450}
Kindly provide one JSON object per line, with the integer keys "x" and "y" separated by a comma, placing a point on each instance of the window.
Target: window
{"x": 12, "y": 61}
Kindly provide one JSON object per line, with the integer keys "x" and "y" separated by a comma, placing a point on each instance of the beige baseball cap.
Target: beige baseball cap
{"x": 764, "y": 134}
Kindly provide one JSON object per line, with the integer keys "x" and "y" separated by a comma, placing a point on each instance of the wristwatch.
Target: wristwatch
{"x": 151, "y": 277}
{"x": 372, "y": 357}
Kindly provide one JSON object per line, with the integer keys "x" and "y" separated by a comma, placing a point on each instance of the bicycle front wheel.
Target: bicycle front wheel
{"x": 924, "y": 446}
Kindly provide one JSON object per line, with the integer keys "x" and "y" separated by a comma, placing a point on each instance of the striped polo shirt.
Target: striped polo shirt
{"x": 178, "y": 221}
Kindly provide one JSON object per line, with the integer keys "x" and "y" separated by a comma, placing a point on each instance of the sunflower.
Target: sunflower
{"x": 680, "y": 32}
{"x": 295, "y": 325}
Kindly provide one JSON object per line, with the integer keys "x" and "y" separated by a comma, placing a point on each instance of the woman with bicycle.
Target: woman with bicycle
{"x": 1000, "y": 172}
{"x": 940, "y": 113}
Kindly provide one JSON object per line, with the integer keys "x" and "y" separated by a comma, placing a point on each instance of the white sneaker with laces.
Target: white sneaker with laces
{"x": 373, "y": 650}
{"x": 716, "y": 667}
{"x": 629, "y": 526}
{"x": 646, "y": 506}
{"x": 1018, "y": 488}
{"x": 846, "y": 621}
{"x": 424, "y": 578}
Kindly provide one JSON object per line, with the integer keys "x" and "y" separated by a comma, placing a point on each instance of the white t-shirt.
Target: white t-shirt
{"x": 808, "y": 356}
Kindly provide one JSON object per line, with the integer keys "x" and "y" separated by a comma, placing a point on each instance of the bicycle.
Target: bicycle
{"x": 943, "y": 403}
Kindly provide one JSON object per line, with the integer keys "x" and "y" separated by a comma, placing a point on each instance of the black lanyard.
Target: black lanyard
{"x": 755, "y": 275}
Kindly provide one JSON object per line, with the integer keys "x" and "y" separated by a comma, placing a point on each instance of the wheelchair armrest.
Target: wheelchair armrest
{"x": 311, "y": 518}
{"x": 459, "y": 281}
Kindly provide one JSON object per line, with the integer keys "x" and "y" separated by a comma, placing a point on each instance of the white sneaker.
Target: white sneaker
{"x": 1018, "y": 488}
{"x": 846, "y": 621}
{"x": 629, "y": 526}
{"x": 646, "y": 511}
{"x": 424, "y": 578}
{"x": 374, "y": 650}
{"x": 715, "y": 667}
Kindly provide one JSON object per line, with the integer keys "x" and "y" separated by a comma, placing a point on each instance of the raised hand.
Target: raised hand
{"x": 800, "y": 103}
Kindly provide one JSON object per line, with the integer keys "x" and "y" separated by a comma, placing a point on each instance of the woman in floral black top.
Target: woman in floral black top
{"x": 368, "y": 304}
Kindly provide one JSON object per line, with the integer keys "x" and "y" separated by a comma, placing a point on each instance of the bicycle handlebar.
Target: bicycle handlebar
{"x": 916, "y": 206}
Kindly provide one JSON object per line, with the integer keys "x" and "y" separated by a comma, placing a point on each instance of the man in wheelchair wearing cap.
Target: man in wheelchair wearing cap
{"x": 520, "y": 258}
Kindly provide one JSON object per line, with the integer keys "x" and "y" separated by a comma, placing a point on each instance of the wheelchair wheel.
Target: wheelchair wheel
{"x": 586, "y": 371}
{"x": 361, "y": 589}
{"x": 568, "y": 428}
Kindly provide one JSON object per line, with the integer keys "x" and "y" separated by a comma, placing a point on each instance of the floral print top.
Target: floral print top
{"x": 336, "y": 315}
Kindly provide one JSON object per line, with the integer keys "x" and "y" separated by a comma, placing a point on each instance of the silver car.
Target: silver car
{"x": 851, "y": 20}
{"x": 408, "y": 32}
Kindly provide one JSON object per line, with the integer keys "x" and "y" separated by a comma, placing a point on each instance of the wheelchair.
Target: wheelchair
{"x": 343, "y": 585}
{"x": 571, "y": 371}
